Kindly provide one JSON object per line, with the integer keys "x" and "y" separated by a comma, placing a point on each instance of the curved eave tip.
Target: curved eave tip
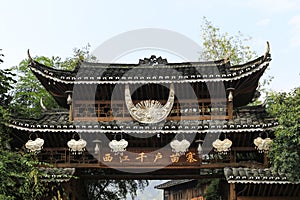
{"x": 267, "y": 48}
{"x": 29, "y": 56}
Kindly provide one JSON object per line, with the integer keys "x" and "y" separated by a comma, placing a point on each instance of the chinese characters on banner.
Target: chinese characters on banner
{"x": 153, "y": 158}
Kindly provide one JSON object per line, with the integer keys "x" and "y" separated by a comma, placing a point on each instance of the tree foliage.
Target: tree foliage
{"x": 18, "y": 175}
{"x": 217, "y": 45}
{"x": 28, "y": 91}
{"x": 285, "y": 152}
{"x": 26, "y": 103}
{"x": 213, "y": 190}
{"x": 113, "y": 189}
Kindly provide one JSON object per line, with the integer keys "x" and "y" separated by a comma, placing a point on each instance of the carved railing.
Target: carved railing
{"x": 203, "y": 109}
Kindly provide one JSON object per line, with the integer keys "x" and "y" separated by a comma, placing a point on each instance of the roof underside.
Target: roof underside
{"x": 172, "y": 183}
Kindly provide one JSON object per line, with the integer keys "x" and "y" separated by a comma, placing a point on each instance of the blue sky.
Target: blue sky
{"x": 55, "y": 27}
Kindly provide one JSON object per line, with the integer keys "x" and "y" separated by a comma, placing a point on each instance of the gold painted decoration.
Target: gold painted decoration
{"x": 149, "y": 111}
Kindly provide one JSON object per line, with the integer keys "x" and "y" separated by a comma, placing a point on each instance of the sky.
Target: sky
{"x": 56, "y": 27}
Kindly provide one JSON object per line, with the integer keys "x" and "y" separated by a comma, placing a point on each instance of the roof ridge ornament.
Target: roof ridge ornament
{"x": 153, "y": 61}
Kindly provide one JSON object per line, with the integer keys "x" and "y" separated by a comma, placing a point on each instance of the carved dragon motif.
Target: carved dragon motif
{"x": 149, "y": 111}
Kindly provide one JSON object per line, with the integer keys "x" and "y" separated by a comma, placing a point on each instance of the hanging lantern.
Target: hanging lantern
{"x": 180, "y": 147}
{"x": 262, "y": 145}
{"x": 118, "y": 147}
{"x": 34, "y": 146}
{"x": 199, "y": 149}
{"x": 76, "y": 146}
{"x": 97, "y": 146}
{"x": 222, "y": 147}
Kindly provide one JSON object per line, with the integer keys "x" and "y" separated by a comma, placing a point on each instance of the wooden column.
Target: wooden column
{"x": 233, "y": 156}
{"x": 266, "y": 160}
{"x": 232, "y": 192}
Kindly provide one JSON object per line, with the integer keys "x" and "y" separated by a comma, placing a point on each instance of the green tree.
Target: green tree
{"x": 285, "y": 152}
{"x": 113, "y": 189}
{"x": 217, "y": 45}
{"x": 28, "y": 91}
{"x": 213, "y": 190}
{"x": 18, "y": 175}
{"x": 26, "y": 103}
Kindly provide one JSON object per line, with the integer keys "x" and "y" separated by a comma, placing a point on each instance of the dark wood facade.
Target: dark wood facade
{"x": 182, "y": 189}
{"x": 210, "y": 102}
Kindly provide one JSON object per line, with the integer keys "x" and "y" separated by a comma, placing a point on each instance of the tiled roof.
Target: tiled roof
{"x": 100, "y": 73}
{"x": 252, "y": 175}
{"x": 172, "y": 183}
{"x": 247, "y": 119}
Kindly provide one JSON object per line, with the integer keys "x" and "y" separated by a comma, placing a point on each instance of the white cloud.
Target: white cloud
{"x": 294, "y": 23}
{"x": 263, "y": 22}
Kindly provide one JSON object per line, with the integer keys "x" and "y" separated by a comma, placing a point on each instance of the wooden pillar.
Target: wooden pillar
{"x": 233, "y": 156}
{"x": 266, "y": 160}
{"x": 230, "y": 103}
{"x": 232, "y": 192}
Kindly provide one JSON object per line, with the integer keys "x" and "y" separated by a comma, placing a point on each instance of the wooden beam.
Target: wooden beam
{"x": 175, "y": 118}
{"x": 137, "y": 176}
{"x": 153, "y": 167}
{"x": 243, "y": 149}
{"x": 205, "y": 100}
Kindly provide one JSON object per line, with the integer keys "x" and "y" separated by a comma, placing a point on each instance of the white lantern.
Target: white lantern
{"x": 222, "y": 146}
{"x": 77, "y": 146}
{"x": 118, "y": 147}
{"x": 180, "y": 147}
{"x": 34, "y": 146}
{"x": 262, "y": 145}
